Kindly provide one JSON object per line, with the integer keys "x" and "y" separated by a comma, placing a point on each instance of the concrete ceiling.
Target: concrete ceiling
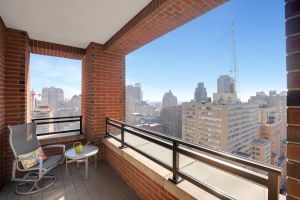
{"x": 70, "y": 22}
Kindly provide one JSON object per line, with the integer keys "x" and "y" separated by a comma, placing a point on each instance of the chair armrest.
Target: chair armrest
{"x": 55, "y": 146}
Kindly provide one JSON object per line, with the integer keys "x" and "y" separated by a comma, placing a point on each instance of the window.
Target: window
{"x": 55, "y": 92}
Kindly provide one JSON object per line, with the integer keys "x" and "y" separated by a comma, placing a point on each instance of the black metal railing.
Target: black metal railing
{"x": 215, "y": 158}
{"x": 59, "y": 120}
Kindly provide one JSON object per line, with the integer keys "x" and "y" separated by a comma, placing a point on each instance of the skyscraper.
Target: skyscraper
{"x": 135, "y": 91}
{"x": 169, "y": 100}
{"x": 200, "y": 92}
{"x": 226, "y": 84}
{"x": 52, "y": 96}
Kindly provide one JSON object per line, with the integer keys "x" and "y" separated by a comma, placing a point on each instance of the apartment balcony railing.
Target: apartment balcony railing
{"x": 268, "y": 175}
{"x": 59, "y": 120}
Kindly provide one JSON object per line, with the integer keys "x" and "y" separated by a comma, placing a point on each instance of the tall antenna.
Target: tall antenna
{"x": 234, "y": 64}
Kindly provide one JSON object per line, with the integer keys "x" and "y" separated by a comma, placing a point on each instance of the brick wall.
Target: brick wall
{"x": 144, "y": 186}
{"x": 292, "y": 12}
{"x": 156, "y": 19}
{"x": 103, "y": 89}
{"x": 2, "y": 44}
{"x": 15, "y": 87}
{"x": 58, "y": 50}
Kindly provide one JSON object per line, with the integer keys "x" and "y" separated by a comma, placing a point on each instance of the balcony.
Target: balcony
{"x": 133, "y": 163}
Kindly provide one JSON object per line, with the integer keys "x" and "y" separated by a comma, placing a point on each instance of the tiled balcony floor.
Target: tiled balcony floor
{"x": 103, "y": 184}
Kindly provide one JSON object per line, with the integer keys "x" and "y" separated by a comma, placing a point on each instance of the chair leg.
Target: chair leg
{"x": 35, "y": 187}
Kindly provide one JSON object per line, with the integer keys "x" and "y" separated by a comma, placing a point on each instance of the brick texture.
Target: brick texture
{"x": 293, "y": 79}
{"x": 293, "y": 61}
{"x": 293, "y": 133}
{"x": 292, "y": 13}
{"x": 144, "y": 186}
{"x": 103, "y": 89}
{"x": 2, "y": 64}
{"x": 58, "y": 50}
{"x": 155, "y": 20}
{"x": 16, "y": 87}
{"x": 293, "y": 187}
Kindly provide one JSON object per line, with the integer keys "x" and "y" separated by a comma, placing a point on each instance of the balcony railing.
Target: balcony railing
{"x": 59, "y": 120}
{"x": 178, "y": 146}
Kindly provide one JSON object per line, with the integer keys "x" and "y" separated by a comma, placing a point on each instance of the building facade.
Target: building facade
{"x": 229, "y": 127}
{"x": 135, "y": 91}
{"x": 52, "y": 96}
{"x": 226, "y": 84}
{"x": 43, "y": 112}
{"x": 261, "y": 150}
{"x": 170, "y": 117}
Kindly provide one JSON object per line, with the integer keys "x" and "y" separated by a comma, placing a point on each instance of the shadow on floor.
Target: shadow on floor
{"x": 103, "y": 184}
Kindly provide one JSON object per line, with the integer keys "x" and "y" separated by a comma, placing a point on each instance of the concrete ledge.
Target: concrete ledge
{"x": 58, "y": 140}
{"x": 234, "y": 185}
{"x": 184, "y": 190}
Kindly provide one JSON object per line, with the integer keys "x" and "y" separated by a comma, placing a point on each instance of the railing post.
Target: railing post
{"x": 273, "y": 186}
{"x": 106, "y": 128}
{"x": 80, "y": 124}
{"x": 175, "y": 165}
{"x": 122, "y": 137}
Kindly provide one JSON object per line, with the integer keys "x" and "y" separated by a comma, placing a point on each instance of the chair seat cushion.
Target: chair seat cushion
{"x": 53, "y": 160}
{"x": 38, "y": 153}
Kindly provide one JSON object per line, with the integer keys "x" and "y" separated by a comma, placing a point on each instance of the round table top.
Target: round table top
{"x": 87, "y": 152}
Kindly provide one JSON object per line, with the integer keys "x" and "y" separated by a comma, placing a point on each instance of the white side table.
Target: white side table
{"x": 72, "y": 156}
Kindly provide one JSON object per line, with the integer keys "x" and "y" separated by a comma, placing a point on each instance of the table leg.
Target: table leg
{"x": 67, "y": 170}
{"x": 95, "y": 161}
{"x": 86, "y": 168}
{"x": 77, "y": 164}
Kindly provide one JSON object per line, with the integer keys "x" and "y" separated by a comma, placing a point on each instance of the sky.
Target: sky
{"x": 46, "y": 71}
{"x": 199, "y": 51}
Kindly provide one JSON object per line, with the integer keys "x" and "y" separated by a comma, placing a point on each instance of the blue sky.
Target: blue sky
{"x": 46, "y": 71}
{"x": 199, "y": 51}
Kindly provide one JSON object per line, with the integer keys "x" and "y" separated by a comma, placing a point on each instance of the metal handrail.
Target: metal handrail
{"x": 271, "y": 181}
{"x": 56, "y": 120}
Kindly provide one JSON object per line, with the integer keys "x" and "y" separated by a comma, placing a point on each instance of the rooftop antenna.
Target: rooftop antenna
{"x": 234, "y": 64}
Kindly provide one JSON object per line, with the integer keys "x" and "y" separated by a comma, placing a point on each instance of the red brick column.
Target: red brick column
{"x": 103, "y": 89}
{"x": 16, "y": 87}
{"x": 2, "y": 64}
{"x": 292, "y": 13}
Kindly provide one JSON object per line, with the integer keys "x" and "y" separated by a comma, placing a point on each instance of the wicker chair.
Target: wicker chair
{"x": 23, "y": 139}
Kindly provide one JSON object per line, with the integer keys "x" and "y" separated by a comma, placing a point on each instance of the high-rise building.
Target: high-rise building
{"x": 42, "y": 112}
{"x": 261, "y": 150}
{"x": 226, "y": 84}
{"x": 76, "y": 103}
{"x": 200, "y": 92}
{"x": 170, "y": 118}
{"x": 169, "y": 100}
{"x": 52, "y": 96}
{"x": 135, "y": 91}
{"x": 230, "y": 127}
